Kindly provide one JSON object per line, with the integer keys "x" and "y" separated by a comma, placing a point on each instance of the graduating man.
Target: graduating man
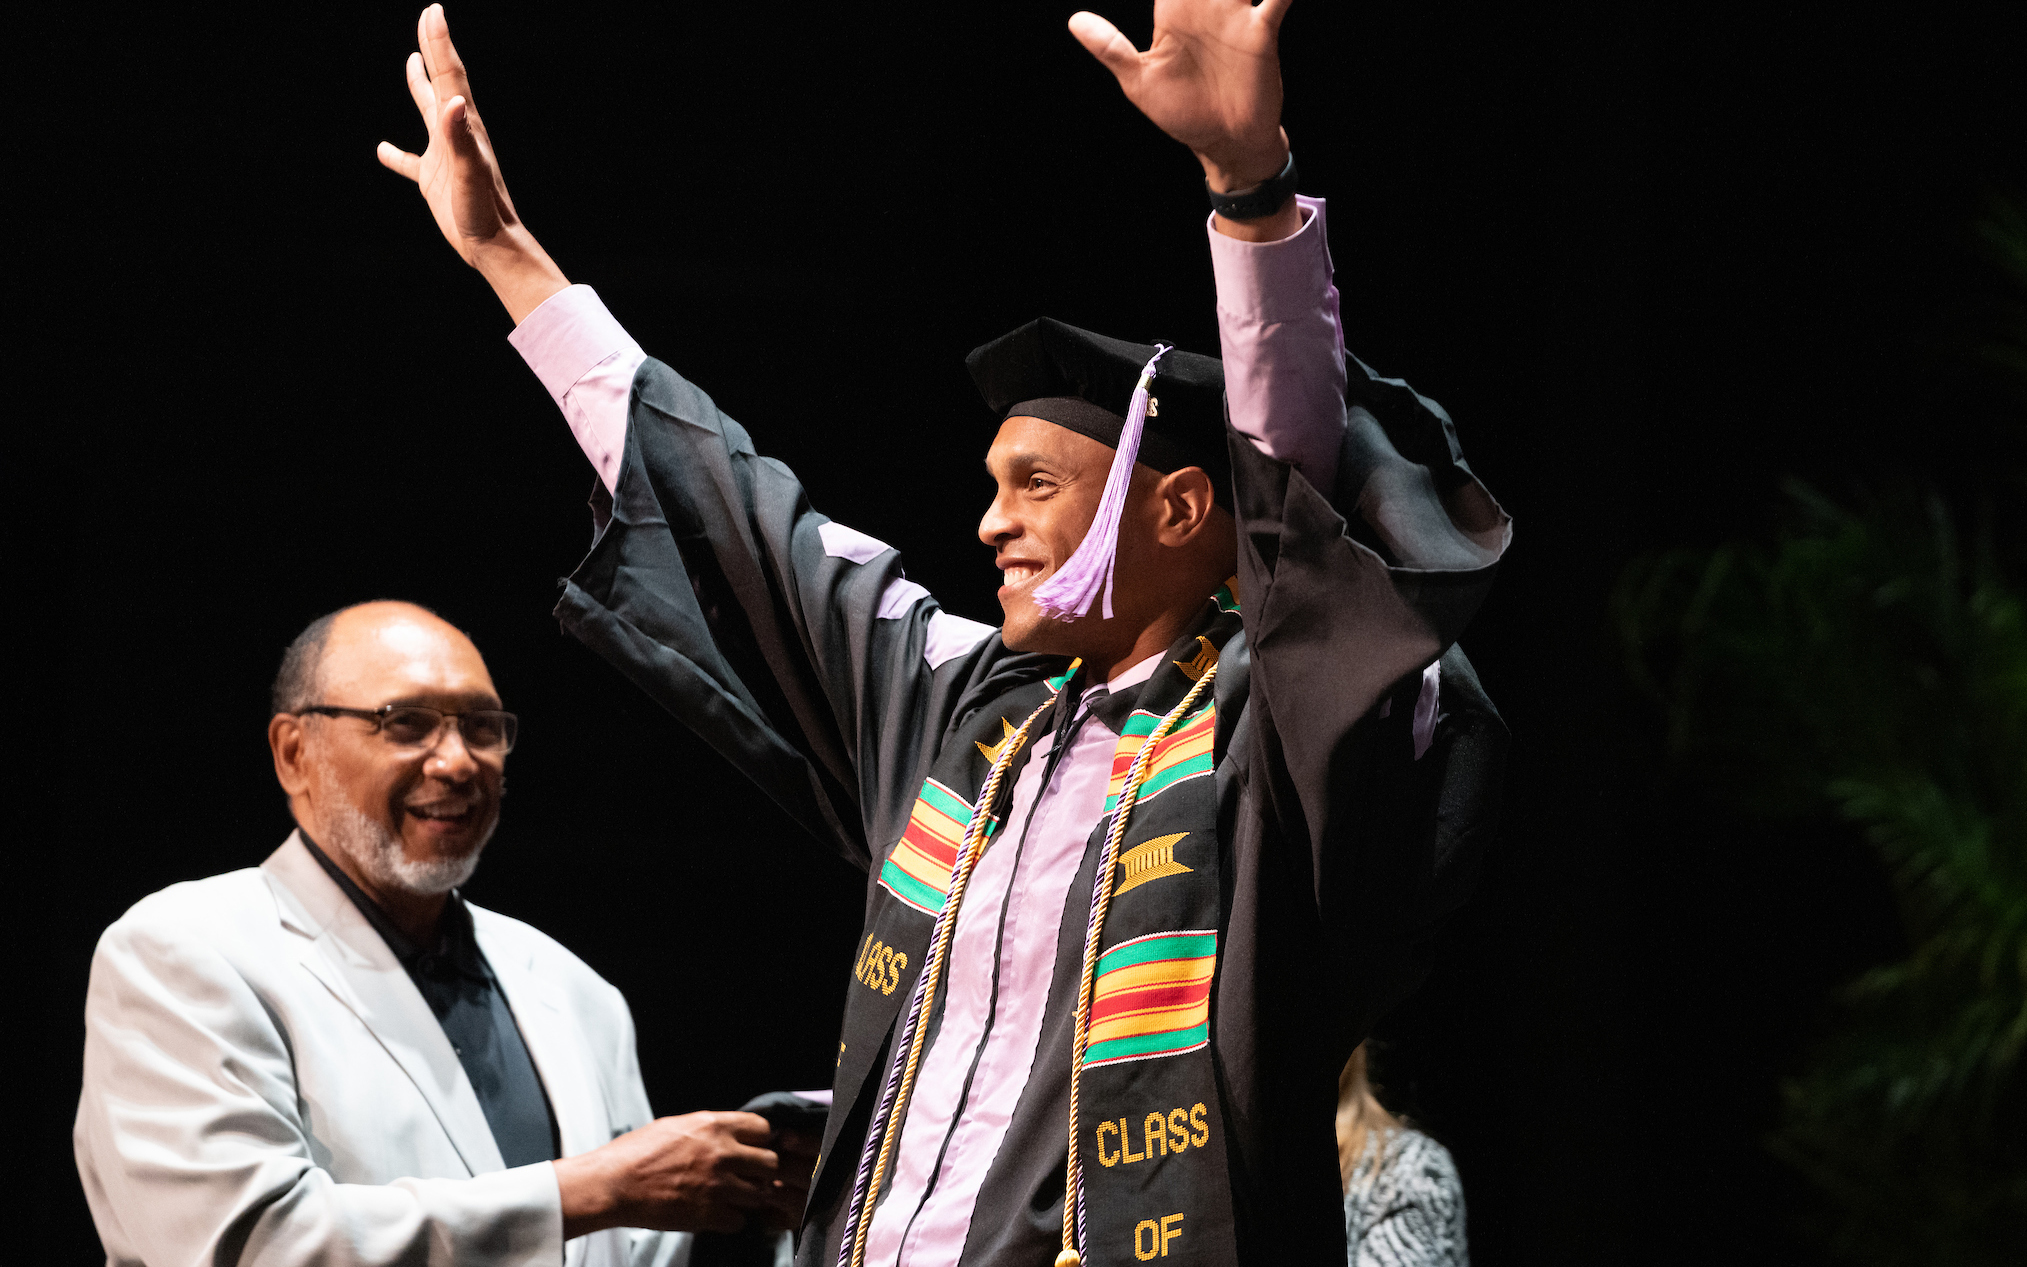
{"x": 1146, "y": 861}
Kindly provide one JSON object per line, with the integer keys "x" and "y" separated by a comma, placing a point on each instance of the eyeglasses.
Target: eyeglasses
{"x": 487, "y": 730}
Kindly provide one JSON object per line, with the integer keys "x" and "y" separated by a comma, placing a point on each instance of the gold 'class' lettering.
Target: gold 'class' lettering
{"x": 879, "y": 965}
{"x": 1150, "y": 1239}
{"x": 1161, "y": 1134}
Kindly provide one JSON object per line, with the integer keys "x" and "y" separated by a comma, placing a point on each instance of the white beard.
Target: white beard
{"x": 380, "y": 853}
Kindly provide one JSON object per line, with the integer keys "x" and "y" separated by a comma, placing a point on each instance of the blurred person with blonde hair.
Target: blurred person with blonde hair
{"x": 1403, "y": 1201}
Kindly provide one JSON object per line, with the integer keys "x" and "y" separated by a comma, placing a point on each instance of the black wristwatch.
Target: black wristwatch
{"x": 1259, "y": 202}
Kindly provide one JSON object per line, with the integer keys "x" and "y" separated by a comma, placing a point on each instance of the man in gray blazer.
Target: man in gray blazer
{"x": 334, "y": 1058}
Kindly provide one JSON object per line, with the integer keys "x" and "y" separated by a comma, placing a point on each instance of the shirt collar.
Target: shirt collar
{"x": 1136, "y": 675}
{"x": 1105, "y": 700}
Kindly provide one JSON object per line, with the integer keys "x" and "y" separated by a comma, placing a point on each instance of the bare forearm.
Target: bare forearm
{"x": 588, "y": 1193}
{"x": 519, "y": 271}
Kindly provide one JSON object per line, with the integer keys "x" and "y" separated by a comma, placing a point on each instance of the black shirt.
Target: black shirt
{"x": 460, "y": 988}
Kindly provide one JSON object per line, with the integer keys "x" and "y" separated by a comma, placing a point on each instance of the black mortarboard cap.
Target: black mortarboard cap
{"x": 1084, "y": 381}
{"x": 1148, "y": 403}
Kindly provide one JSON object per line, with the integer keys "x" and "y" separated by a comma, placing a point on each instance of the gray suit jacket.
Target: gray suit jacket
{"x": 263, "y": 1085}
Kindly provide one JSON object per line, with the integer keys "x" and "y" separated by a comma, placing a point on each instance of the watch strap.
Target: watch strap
{"x": 1259, "y": 202}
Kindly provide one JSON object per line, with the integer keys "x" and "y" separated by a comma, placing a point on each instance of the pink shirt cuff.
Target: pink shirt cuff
{"x": 587, "y": 363}
{"x": 1283, "y": 344}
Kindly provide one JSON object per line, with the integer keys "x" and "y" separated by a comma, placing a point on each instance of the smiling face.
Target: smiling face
{"x": 1048, "y": 481}
{"x": 1175, "y": 547}
{"x": 410, "y": 819}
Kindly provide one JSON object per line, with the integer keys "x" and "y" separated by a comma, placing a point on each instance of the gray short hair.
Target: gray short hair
{"x": 295, "y": 686}
{"x": 299, "y": 682}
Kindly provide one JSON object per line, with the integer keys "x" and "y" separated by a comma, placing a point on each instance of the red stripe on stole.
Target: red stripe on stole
{"x": 930, "y": 845}
{"x": 1183, "y": 734}
{"x": 1123, "y": 756}
{"x": 1151, "y": 998}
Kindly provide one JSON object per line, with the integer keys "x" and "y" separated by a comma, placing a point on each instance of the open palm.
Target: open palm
{"x": 1210, "y": 78}
{"x": 457, "y": 172}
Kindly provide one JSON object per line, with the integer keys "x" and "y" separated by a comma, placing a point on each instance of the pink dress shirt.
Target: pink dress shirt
{"x": 1285, "y": 378}
{"x": 1009, "y": 923}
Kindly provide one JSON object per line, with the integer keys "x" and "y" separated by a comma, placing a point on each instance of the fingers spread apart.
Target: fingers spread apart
{"x": 1105, "y": 43}
{"x": 419, "y": 87}
{"x": 439, "y": 55}
{"x": 399, "y": 161}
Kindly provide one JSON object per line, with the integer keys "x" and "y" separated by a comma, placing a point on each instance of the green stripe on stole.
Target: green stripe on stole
{"x": 944, "y": 802}
{"x": 1148, "y": 1044}
{"x": 909, "y": 889}
{"x": 1149, "y": 949}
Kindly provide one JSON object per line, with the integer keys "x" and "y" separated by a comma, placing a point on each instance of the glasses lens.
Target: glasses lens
{"x": 488, "y": 730}
{"x": 410, "y": 725}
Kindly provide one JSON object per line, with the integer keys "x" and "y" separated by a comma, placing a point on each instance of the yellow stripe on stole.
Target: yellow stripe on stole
{"x": 1134, "y": 1024}
{"x": 1168, "y": 973}
{"x": 936, "y": 823}
{"x": 1194, "y": 740}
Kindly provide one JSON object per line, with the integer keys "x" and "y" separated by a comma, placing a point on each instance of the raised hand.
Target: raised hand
{"x": 1210, "y": 78}
{"x": 459, "y": 175}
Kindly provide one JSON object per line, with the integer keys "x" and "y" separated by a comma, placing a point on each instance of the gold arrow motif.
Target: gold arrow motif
{"x": 1150, "y": 861}
{"x": 1195, "y": 668}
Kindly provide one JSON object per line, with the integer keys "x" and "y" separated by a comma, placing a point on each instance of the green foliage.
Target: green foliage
{"x": 1862, "y": 665}
{"x": 2005, "y": 235}
{"x": 1866, "y": 664}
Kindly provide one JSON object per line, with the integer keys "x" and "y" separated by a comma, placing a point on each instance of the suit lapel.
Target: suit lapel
{"x": 342, "y": 951}
{"x": 553, "y": 1042}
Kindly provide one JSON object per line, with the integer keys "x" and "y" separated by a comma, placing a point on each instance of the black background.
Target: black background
{"x": 1653, "y": 259}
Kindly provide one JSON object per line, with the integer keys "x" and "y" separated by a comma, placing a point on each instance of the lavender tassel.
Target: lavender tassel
{"x": 1069, "y": 593}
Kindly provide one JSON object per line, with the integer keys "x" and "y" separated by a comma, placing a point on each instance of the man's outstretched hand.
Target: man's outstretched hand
{"x": 701, "y": 1172}
{"x": 459, "y": 176}
{"x": 1210, "y": 78}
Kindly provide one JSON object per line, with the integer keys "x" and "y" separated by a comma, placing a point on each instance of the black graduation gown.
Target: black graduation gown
{"x": 1338, "y": 852}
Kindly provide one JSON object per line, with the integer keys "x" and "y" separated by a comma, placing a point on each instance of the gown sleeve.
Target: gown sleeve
{"x": 792, "y": 644}
{"x": 1356, "y": 575}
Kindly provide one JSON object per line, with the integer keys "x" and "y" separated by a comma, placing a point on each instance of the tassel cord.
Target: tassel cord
{"x": 1069, "y": 594}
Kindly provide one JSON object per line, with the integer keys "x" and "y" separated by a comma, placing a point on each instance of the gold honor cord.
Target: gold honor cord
{"x": 1101, "y": 903}
{"x": 974, "y": 847}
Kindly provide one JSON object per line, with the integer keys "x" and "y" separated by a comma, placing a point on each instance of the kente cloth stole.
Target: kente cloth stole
{"x": 1150, "y": 1140}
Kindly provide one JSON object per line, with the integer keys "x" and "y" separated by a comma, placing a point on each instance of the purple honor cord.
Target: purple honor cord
{"x": 1069, "y": 594}
{"x": 862, "y": 1201}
